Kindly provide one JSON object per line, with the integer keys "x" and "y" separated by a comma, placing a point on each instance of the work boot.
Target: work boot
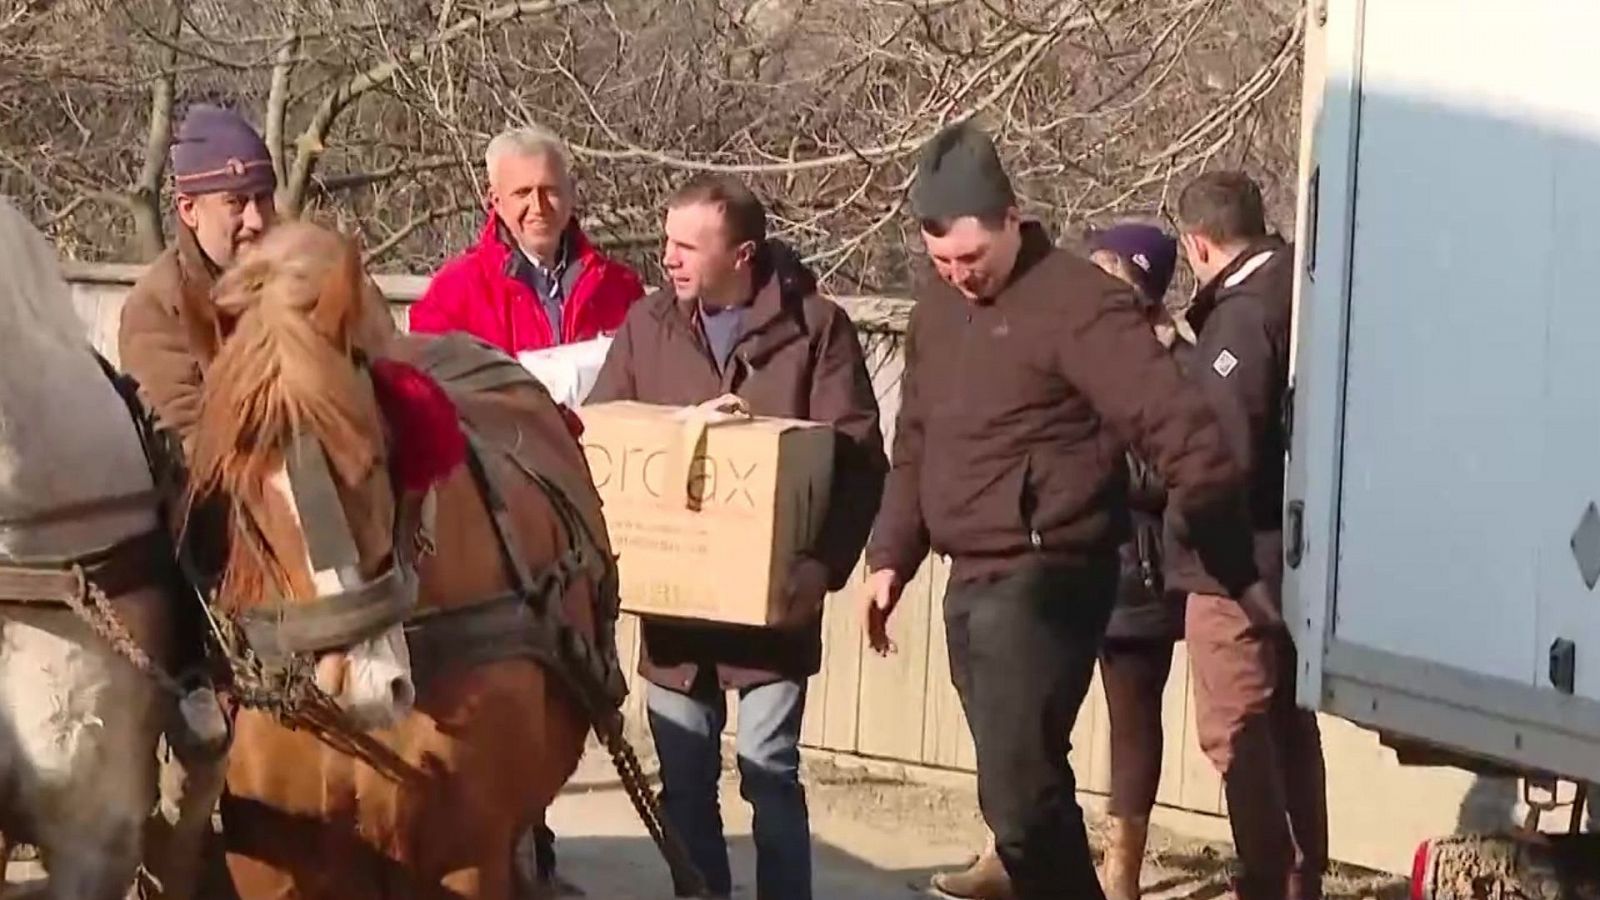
{"x": 1124, "y": 860}
{"x": 985, "y": 879}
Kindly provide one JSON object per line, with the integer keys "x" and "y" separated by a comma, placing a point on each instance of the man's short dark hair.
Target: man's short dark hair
{"x": 1223, "y": 206}
{"x": 744, "y": 217}
{"x": 941, "y": 227}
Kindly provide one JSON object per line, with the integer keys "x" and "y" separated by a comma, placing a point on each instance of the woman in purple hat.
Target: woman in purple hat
{"x": 1146, "y": 621}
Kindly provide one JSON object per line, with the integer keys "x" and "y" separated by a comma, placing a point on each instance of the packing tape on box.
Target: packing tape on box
{"x": 690, "y": 446}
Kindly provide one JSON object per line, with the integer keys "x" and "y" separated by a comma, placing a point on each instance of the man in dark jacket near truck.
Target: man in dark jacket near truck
{"x": 1268, "y": 751}
{"x": 742, "y": 317}
{"x": 1027, "y": 371}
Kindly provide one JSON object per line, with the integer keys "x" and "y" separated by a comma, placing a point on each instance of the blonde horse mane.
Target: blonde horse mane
{"x": 286, "y": 369}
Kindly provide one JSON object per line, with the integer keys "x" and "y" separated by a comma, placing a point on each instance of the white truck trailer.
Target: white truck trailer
{"x": 1442, "y": 521}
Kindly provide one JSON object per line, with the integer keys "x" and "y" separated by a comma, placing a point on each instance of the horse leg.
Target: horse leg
{"x": 489, "y": 879}
{"x": 254, "y": 879}
{"x": 5, "y": 859}
{"x": 190, "y": 788}
{"x": 86, "y": 728}
{"x": 91, "y": 860}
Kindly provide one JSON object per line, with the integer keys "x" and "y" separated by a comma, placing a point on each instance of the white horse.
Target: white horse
{"x": 78, "y": 723}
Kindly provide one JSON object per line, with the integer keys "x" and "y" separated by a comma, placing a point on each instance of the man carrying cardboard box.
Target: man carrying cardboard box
{"x": 742, "y": 324}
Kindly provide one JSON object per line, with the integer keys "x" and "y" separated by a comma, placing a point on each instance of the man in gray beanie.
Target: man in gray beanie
{"x": 223, "y": 185}
{"x": 1027, "y": 370}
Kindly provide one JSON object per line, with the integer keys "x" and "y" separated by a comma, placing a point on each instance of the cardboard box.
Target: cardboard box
{"x": 706, "y": 512}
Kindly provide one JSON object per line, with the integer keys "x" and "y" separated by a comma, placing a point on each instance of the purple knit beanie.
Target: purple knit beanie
{"x": 1151, "y": 252}
{"x": 216, "y": 150}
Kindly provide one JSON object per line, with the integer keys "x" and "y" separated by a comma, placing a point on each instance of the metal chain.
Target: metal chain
{"x": 90, "y": 604}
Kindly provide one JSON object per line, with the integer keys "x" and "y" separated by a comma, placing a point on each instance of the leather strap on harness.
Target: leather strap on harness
{"x": 335, "y": 621}
{"x": 529, "y": 622}
{"x": 470, "y": 373}
{"x": 126, "y": 566}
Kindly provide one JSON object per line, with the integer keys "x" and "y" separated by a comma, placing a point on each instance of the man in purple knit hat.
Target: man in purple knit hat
{"x": 223, "y": 186}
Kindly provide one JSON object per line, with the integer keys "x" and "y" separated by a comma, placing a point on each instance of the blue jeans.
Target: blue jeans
{"x": 688, "y": 729}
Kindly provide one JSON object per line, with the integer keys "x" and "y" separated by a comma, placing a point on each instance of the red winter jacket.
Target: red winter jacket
{"x": 478, "y": 293}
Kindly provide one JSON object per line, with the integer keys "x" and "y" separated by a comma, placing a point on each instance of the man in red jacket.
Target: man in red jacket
{"x": 533, "y": 281}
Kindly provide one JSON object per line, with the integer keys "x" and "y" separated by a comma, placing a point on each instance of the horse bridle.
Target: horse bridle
{"x": 348, "y": 609}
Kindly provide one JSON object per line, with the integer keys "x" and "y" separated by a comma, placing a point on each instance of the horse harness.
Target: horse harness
{"x": 85, "y": 583}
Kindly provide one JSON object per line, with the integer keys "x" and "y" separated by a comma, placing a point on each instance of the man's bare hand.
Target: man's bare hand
{"x": 881, "y": 597}
{"x": 727, "y": 403}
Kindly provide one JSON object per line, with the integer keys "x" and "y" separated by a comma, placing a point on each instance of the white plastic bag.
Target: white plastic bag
{"x": 568, "y": 371}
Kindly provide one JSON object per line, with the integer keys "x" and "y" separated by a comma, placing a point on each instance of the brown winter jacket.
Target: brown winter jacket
{"x": 169, "y": 332}
{"x": 1014, "y": 416}
{"x": 1241, "y": 362}
{"x": 800, "y": 358}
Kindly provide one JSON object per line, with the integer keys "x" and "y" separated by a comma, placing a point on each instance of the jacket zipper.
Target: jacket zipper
{"x": 569, "y": 313}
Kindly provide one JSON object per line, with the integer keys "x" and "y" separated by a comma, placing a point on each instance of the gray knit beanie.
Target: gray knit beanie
{"x": 959, "y": 174}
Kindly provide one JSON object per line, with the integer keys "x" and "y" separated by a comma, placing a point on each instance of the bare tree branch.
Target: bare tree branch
{"x": 313, "y": 141}
{"x": 278, "y": 103}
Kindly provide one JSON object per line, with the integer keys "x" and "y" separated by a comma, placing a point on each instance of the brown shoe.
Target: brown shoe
{"x": 985, "y": 879}
{"x": 1124, "y": 860}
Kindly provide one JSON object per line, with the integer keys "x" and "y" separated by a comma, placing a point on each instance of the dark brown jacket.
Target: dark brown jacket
{"x": 799, "y": 357}
{"x": 1014, "y": 416}
{"x": 1241, "y": 362}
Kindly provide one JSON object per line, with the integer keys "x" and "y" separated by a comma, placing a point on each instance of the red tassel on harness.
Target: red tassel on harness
{"x": 428, "y": 442}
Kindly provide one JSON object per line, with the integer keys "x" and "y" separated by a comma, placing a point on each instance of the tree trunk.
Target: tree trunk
{"x": 145, "y": 198}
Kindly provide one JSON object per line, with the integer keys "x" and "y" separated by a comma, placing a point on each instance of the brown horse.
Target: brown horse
{"x": 362, "y": 791}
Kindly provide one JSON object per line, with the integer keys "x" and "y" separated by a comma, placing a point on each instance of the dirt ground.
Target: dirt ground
{"x": 874, "y": 838}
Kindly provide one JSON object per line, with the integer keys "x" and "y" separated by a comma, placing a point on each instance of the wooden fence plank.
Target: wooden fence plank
{"x": 889, "y": 725}
{"x": 946, "y": 738}
{"x": 841, "y": 660}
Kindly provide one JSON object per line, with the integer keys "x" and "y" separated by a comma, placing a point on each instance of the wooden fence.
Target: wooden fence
{"x": 902, "y": 709}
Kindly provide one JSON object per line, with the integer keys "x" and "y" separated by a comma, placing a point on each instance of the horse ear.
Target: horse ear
{"x": 340, "y": 305}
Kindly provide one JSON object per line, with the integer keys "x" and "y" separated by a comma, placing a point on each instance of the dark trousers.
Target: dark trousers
{"x": 1134, "y": 672}
{"x": 1022, "y": 654}
{"x": 1268, "y": 751}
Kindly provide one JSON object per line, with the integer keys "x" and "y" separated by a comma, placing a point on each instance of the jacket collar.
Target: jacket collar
{"x": 1243, "y": 267}
{"x": 197, "y": 278}
{"x": 495, "y": 240}
{"x": 1035, "y": 245}
{"x": 775, "y": 316}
